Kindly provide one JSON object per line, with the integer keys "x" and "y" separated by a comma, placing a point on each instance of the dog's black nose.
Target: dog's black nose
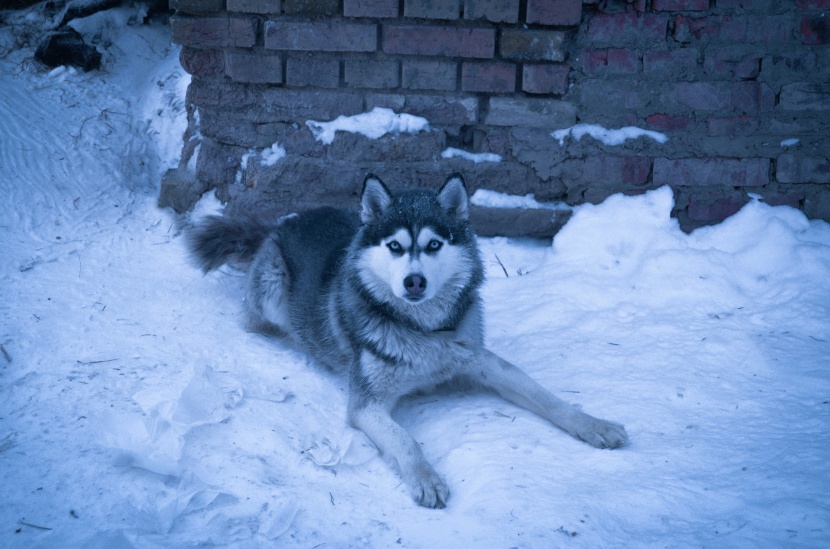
{"x": 415, "y": 284}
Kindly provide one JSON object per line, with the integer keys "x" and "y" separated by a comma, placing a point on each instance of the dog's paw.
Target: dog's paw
{"x": 600, "y": 433}
{"x": 431, "y": 490}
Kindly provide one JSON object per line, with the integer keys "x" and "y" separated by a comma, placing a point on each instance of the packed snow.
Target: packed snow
{"x": 374, "y": 124}
{"x": 606, "y": 136}
{"x": 494, "y": 199}
{"x": 135, "y": 411}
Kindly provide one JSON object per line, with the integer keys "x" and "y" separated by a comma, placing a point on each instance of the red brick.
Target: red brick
{"x": 627, "y": 170}
{"x": 301, "y": 71}
{"x": 202, "y": 63}
{"x": 624, "y": 28}
{"x": 497, "y": 11}
{"x": 682, "y": 63}
{"x": 545, "y": 79}
{"x": 805, "y": 96}
{"x": 370, "y": 8}
{"x": 680, "y": 5}
{"x": 532, "y": 45}
{"x": 554, "y": 12}
{"x": 725, "y": 96}
{"x": 320, "y": 36}
{"x": 432, "y": 9}
{"x": 707, "y": 209}
{"x": 255, "y": 6}
{"x": 730, "y": 66}
{"x": 311, "y": 7}
{"x": 616, "y": 61}
{"x": 815, "y": 29}
{"x": 371, "y": 73}
{"x": 445, "y": 41}
{"x": 732, "y": 126}
{"x": 197, "y": 6}
{"x": 254, "y": 69}
{"x": 813, "y": 4}
{"x": 214, "y": 32}
{"x": 752, "y": 29}
{"x": 488, "y": 77}
{"x": 792, "y": 168}
{"x": 666, "y": 123}
{"x": 717, "y": 172}
{"x": 429, "y": 75}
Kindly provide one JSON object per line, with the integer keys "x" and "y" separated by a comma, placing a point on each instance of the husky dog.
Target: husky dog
{"x": 391, "y": 299}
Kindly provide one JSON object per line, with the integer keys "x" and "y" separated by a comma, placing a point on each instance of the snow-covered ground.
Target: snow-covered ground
{"x": 135, "y": 411}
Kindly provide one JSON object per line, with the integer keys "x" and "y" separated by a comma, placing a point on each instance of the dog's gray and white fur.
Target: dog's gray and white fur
{"x": 391, "y": 298}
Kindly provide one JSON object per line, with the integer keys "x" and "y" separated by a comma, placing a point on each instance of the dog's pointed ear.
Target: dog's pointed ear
{"x": 375, "y": 200}
{"x": 453, "y": 198}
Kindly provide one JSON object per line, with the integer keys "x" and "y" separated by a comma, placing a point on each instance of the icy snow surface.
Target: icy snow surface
{"x": 605, "y": 135}
{"x": 135, "y": 411}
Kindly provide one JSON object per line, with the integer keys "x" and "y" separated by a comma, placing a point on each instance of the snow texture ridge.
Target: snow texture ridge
{"x": 375, "y": 124}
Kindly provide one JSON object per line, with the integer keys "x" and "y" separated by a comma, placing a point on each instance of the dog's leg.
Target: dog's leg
{"x": 429, "y": 489}
{"x": 514, "y": 385}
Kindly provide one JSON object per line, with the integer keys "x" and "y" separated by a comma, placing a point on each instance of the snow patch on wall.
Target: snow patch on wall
{"x": 606, "y": 136}
{"x": 377, "y": 123}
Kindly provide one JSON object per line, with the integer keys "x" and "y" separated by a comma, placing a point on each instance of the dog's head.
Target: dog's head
{"x": 417, "y": 246}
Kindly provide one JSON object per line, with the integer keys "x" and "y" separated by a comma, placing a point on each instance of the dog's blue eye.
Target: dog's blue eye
{"x": 434, "y": 245}
{"x": 395, "y": 247}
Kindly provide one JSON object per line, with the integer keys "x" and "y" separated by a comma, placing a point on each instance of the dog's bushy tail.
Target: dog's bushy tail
{"x": 217, "y": 240}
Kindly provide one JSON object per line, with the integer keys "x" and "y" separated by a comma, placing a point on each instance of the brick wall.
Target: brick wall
{"x": 727, "y": 81}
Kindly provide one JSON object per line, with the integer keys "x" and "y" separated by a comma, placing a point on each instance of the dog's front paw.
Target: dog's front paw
{"x": 431, "y": 490}
{"x": 600, "y": 433}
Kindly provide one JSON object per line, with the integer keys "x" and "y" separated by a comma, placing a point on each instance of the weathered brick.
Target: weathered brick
{"x": 732, "y": 126}
{"x": 680, "y": 5}
{"x": 497, "y": 11}
{"x": 319, "y": 72}
{"x": 214, "y": 32}
{"x": 370, "y": 73}
{"x": 545, "y": 79}
{"x": 321, "y": 36}
{"x": 370, "y": 8}
{"x": 254, "y": 68}
{"x": 429, "y": 75}
{"x": 202, "y": 63}
{"x": 197, "y": 6}
{"x": 530, "y": 112}
{"x": 262, "y": 7}
{"x": 422, "y": 146}
{"x": 705, "y": 208}
{"x": 444, "y": 41}
{"x": 718, "y": 172}
{"x": 815, "y": 29}
{"x": 750, "y": 29}
{"x": 432, "y": 9}
{"x": 617, "y": 96}
{"x": 627, "y": 28}
{"x": 288, "y": 105}
{"x": 682, "y": 64}
{"x": 614, "y": 61}
{"x": 488, "y": 77}
{"x": 554, "y": 12}
{"x": 724, "y": 96}
{"x": 626, "y": 170}
{"x": 311, "y": 7}
{"x": 792, "y": 168}
{"x": 805, "y": 96}
{"x": 532, "y": 45}
{"x": 447, "y": 110}
{"x": 732, "y": 64}
{"x": 669, "y": 124}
